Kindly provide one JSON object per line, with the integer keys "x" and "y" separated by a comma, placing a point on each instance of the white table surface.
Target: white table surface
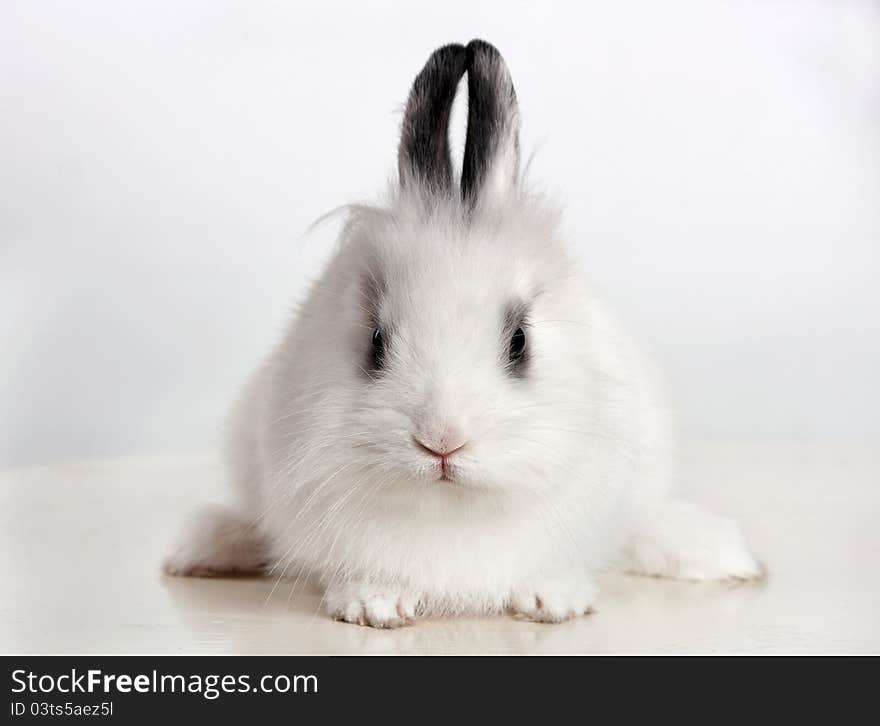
{"x": 82, "y": 542}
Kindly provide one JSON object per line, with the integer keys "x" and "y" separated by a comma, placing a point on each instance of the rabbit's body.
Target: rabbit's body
{"x": 453, "y": 423}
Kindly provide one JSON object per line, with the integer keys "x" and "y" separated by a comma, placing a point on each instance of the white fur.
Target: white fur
{"x": 564, "y": 470}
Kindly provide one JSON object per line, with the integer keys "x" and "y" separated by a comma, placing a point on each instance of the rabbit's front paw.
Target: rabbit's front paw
{"x": 374, "y": 605}
{"x": 554, "y": 600}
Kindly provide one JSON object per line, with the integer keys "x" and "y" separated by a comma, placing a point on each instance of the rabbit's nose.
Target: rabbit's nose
{"x": 440, "y": 428}
{"x": 440, "y": 439}
{"x": 441, "y": 451}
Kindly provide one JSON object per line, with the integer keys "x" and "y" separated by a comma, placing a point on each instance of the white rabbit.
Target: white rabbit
{"x": 453, "y": 423}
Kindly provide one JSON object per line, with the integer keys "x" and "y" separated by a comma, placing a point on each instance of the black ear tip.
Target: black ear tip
{"x": 442, "y": 71}
{"x": 478, "y": 48}
{"x": 483, "y": 56}
{"x": 447, "y": 61}
{"x": 485, "y": 59}
{"x": 449, "y": 51}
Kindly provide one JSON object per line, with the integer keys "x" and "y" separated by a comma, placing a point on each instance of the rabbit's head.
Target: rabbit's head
{"x": 454, "y": 324}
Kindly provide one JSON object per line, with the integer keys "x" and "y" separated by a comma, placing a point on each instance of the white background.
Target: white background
{"x": 161, "y": 161}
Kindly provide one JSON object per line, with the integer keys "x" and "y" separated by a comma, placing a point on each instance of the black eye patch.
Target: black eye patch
{"x": 516, "y": 339}
{"x": 377, "y": 350}
{"x": 372, "y": 290}
{"x": 517, "y": 345}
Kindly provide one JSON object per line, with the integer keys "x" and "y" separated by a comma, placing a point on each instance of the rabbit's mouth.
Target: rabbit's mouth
{"x": 441, "y": 459}
{"x": 444, "y": 471}
{"x": 446, "y": 474}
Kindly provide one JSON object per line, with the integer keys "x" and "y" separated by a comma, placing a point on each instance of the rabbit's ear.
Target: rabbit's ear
{"x": 423, "y": 157}
{"x": 490, "y": 168}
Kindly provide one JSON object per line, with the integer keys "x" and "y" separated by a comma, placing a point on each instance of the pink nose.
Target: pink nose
{"x": 441, "y": 452}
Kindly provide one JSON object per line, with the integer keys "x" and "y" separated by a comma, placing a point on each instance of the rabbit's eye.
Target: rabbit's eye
{"x": 517, "y": 346}
{"x": 377, "y": 351}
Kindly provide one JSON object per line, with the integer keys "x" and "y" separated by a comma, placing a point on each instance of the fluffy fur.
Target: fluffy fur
{"x": 566, "y": 457}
